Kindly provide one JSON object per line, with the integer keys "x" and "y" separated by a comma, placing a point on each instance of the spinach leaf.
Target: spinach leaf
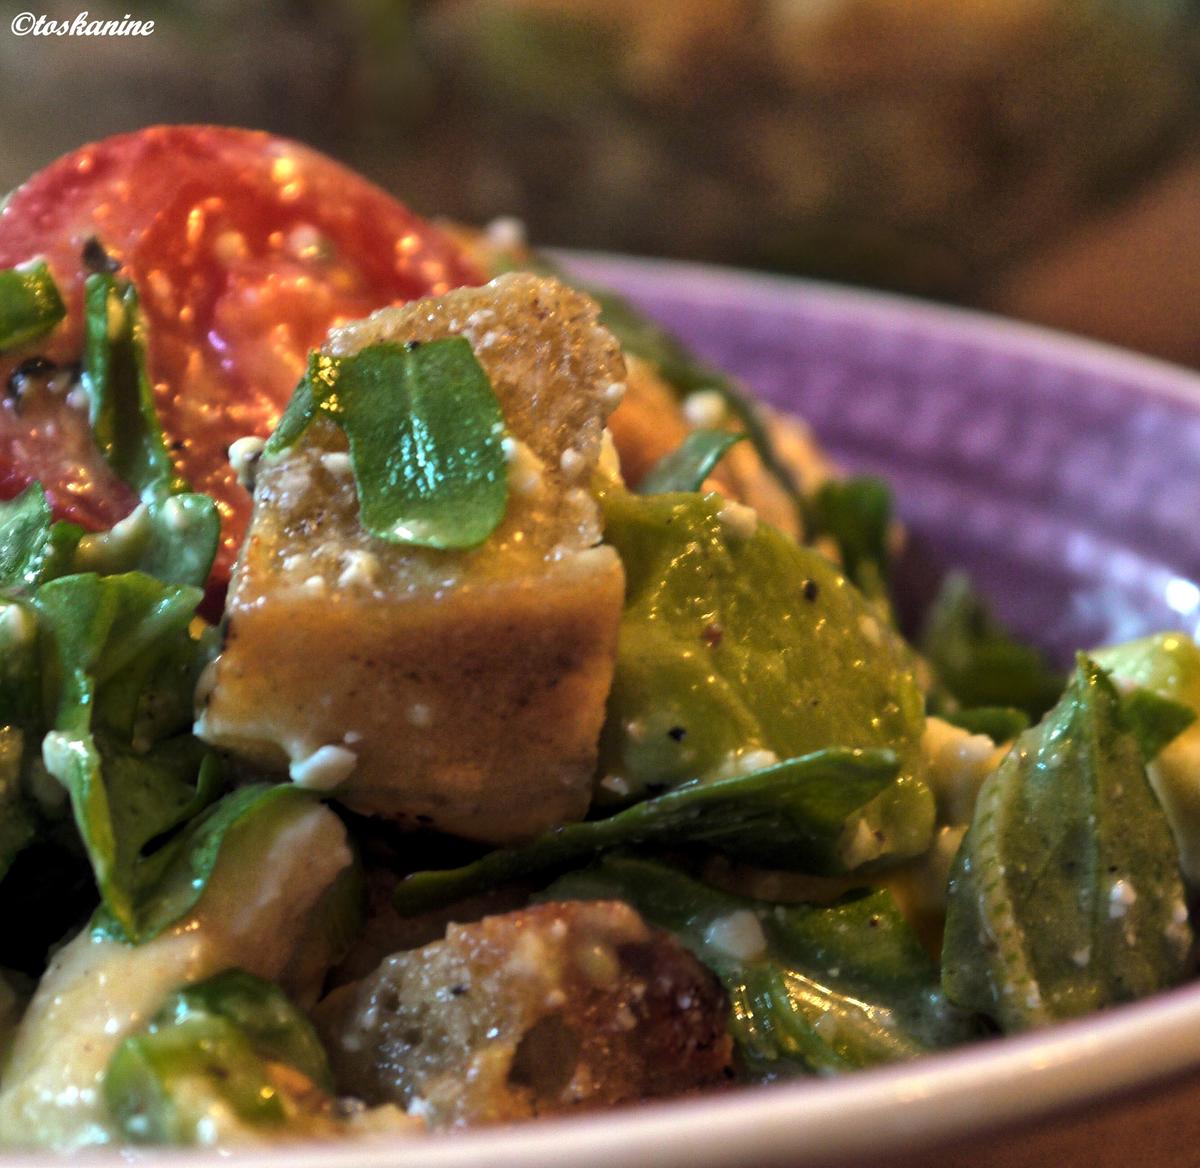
{"x": 30, "y": 305}
{"x": 169, "y": 883}
{"x": 426, "y": 439}
{"x": 812, "y": 987}
{"x": 686, "y": 469}
{"x": 977, "y": 661}
{"x": 94, "y": 629}
{"x": 174, "y": 536}
{"x": 33, "y": 548}
{"x": 856, "y": 513}
{"x": 213, "y": 1048}
{"x": 999, "y": 723}
{"x": 120, "y": 394}
{"x": 799, "y": 814}
{"x": 1066, "y": 895}
{"x": 736, "y": 642}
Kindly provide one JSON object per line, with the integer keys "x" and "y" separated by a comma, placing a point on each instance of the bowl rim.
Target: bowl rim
{"x": 941, "y": 1097}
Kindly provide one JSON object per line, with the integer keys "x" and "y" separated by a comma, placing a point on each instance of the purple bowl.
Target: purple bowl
{"x": 1064, "y": 475}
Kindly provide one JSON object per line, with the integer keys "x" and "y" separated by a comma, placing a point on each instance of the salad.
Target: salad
{"x": 429, "y": 697}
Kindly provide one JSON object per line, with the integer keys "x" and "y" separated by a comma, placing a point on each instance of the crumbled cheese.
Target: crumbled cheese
{"x": 1121, "y": 896}
{"x": 324, "y": 769}
{"x": 572, "y": 462}
{"x": 243, "y": 457}
{"x": 337, "y": 462}
{"x": 704, "y": 409}
{"x": 175, "y": 514}
{"x": 524, "y": 467}
{"x": 614, "y": 392}
{"x": 739, "y": 935}
{"x": 506, "y": 233}
{"x": 419, "y": 715}
{"x": 360, "y": 567}
{"x": 616, "y": 784}
{"x": 737, "y": 520}
{"x": 17, "y": 625}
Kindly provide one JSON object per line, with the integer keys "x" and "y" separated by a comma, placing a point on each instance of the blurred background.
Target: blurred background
{"x": 1037, "y": 157}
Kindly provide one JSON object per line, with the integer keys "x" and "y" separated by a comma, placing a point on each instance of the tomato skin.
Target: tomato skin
{"x": 245, "y": 249}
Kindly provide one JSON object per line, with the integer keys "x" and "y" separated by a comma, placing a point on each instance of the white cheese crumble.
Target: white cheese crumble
{"x": 1121, "y": 896}
{"x": 705, "y": 409}
{"x": 609, "y": 462}
{"x": 324, "y": 769}
{"x": 524, "y": 467}
{"x": 506, "y": 232}
{"x": 360, "y": 568}
{"x": 17, "y": 626}
{"x": 614, "y": 392}
{"x": 739, "y": 934}
{"x": 244, "y": 454}
{"x": 737, "y": 520}
{"x": 336, "y": 462}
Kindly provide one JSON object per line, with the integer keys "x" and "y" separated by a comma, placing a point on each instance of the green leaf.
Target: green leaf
{"x": 1154, "y": 721}
{"x": 857, "y": 514}
{"x": 1168, "y": 664}
{"x": 734, "y": 643}
{"x": 33, "y": 548}
{"x": 999, "y": 723}
{"x": 276, "y": 1028}
{"x": 812, "y": 987}
{"x": 686, "y": 469}
{"x": 1066, "y": 895}
{"x": 302, "y": 407}
{"x": 209, "y": 1049}
{"x": 93, "y": 629}
{"x": 172, "y": 880}
{"x": 425, "y": 430}
{"x": 120, "y": 393}
{"x": 977, "y": 661}
{"x": 799, "y": 814}
{"x": 173, "y": 539}
{"x": 166, "y": 1085}
{"x": 30, "y": 305}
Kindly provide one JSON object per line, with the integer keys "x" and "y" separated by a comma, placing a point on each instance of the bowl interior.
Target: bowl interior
{"x": 1062, "y": 474}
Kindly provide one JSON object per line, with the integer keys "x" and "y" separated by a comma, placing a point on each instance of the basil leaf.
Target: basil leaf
{"x": 797, "y": 814}
{"x": 120, "y": 394}
{"x": 94, "y": 628}
{"x": 977, "y": 661}
{"x": 425, "y": 430}
{"x": 734, "y": 641}
{"x": 857, "y": 514}
{"x": 166, "y": 1085}
{"x": 1066, "y": 895}
{"x": 30, "y": 305}
{"x": 174, "y": 878}
{"x": 686, "y": 469}
{"x": 302, "y": 407}
{"x": 173, "y": 539}
{"x": 34, "y": 547}
{"x": 999, "y": 723}
{"x": 812, "y": 987}
{"x": 1153, "y": 720}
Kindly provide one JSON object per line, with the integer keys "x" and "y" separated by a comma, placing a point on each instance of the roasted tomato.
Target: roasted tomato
{"x": 245, "y": 249}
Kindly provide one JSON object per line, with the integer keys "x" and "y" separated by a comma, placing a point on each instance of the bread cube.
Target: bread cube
{"x": 462, "y": 690}
{"x": 561, "y": 1007}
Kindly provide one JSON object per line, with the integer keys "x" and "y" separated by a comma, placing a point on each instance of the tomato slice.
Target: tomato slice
{"x": 245, "y": 249}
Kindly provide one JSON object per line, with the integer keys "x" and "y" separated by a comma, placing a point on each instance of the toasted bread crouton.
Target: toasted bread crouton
{"x": 550, "y": 1009}
{"x": 459, "y": 689}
